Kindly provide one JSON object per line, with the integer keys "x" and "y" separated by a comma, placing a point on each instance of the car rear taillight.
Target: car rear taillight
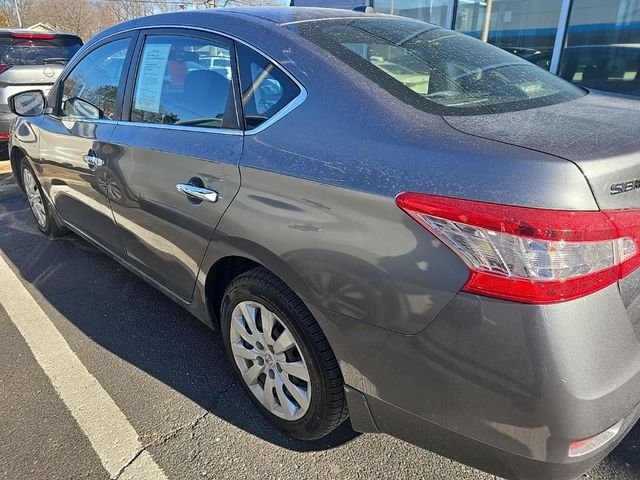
{"x": 531, "y": 255}
{"x": 4, "y": 68}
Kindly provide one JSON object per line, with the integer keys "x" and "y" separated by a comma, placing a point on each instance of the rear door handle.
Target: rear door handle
{"x": 93, "y": 161}
{"x": 197, "y": 192}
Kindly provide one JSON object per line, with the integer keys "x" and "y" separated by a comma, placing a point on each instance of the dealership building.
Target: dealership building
{"x": 593, "y": 43}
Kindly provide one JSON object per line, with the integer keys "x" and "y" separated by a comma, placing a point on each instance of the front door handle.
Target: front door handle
{"x": 93, "y": 161}
{"x": 197, "y": 193}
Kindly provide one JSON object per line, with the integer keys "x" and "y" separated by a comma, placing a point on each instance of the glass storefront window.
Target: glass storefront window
{"x": 432, "y": 11}
{"x": 602, "y": 39}
{"x": 526, "y": 28}
{"x": 603, "y": 46}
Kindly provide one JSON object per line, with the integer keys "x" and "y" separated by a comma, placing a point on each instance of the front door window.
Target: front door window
{"x": 91, "y": 88}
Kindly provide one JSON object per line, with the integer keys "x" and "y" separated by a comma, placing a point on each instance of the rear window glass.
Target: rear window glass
{"x": 37, "y": 51}
{"x": 437, "y": 70}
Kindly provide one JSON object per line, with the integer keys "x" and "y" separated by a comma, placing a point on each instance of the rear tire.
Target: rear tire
{"x": 40, "y": 207}
{"x": 260, "y": 316}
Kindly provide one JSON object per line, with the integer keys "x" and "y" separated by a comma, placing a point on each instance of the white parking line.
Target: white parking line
{"x": 111, "y": 435}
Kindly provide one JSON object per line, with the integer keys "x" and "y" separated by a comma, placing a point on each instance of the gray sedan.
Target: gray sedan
{"x": 388, "y": 222}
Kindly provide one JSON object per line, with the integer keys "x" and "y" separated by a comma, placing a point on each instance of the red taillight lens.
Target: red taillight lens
{"x": 531, "y": 255}
{"x": 4, "y": 136}
{"x": 4, "y": 68}
{"x": 34, "y": 35}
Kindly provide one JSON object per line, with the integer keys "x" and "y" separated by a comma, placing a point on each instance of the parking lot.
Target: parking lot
{"x": 165, "y": 372}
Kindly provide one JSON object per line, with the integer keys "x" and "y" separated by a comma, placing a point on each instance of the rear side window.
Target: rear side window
{"x": 37, "y": 48}
{"x": 266, "y": 89}
{"x": 185, "y": 81}
{"x": 90, "y": 90}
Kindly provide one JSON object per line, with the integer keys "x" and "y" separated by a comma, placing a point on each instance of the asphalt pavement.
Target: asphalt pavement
{"x": 167, "y": 375}
{"x": 8, "y": 185}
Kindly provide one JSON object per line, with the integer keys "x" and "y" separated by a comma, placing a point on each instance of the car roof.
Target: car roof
{"x": 276, "y": 15}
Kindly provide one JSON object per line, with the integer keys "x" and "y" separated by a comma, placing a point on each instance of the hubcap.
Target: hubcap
{"x": 270, "y": 360}
{"x": 34, "y": 197}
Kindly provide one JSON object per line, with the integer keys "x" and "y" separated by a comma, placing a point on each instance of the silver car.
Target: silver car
{"x": 29, "y": 60}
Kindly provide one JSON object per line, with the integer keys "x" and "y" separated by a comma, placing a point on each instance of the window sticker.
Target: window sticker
{"x": 151, "y": 77}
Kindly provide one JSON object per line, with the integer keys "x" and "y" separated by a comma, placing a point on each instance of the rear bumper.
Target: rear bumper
{"x": 505, "y": 464}
{"x": 501, "y": 386}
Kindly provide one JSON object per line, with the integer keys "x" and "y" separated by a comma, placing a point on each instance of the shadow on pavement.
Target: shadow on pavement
{"x": 131, "y": 319}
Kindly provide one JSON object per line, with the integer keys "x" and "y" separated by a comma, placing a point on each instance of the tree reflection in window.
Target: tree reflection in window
{"x": 91, "y": 89}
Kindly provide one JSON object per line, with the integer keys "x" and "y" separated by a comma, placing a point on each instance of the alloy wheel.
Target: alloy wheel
{"x": 270, "y": 360}
{"x": 35, "y": 198}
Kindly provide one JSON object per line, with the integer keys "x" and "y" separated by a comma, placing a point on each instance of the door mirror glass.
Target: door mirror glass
{"x": 77, "y": 107}
{"x": 28, "y": 104}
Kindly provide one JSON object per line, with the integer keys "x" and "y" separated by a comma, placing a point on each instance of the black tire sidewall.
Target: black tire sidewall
{"x": 244, "y": 289}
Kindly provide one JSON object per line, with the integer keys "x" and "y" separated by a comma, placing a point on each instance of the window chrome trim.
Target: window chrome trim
{"x": 63, "y": 118}
{"x": 284, "y": 111}
{"x": 183, "y": 128}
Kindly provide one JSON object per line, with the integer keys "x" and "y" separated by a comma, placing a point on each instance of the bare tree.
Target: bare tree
{"x": 76, "y": 16}
{"x": 105, "y": 17}
{"x": 81, "y": 17}
{"x": 128, "y": 9}
{"x": 171, "y": 6}
{"x": 8, "y": 9}
{"x": 87, "y": 17}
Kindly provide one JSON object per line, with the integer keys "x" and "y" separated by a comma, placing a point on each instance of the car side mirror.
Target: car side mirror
{"x": 78, "y": 107}
{"x": 28, "y": 104}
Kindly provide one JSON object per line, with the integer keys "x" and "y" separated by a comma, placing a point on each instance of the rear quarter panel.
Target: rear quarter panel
{"x": 346, "y": 251}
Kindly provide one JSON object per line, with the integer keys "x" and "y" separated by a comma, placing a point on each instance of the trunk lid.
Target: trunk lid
{"x": 598, "y": 132}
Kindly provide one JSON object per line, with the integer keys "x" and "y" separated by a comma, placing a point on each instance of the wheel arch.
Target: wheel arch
{"x": 235, "y": 257}
{"x": 219, "y": 276}
{"x": 16, "y": 156}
